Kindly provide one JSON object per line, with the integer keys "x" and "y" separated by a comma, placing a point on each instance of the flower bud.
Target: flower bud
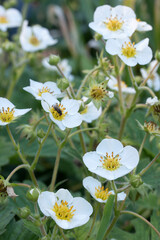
{"x": 41, "y": 133}
{"x": 138, "y": 79}
{"x": 8, "y": 46}
{"x": 33, "y": 194}
{"x": 62, "y": 83}
{"x": 135, "y": 181}
{"x": 97, "y": 36}
{"x": 157, "y": 55}
{"x": 24, "y": 212}
{"x": 54, "y": 60}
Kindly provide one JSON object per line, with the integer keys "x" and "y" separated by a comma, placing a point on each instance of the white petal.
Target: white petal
{"x": 71, "y": 121}
{"x": 51, "y": 100}
{"x": 109, "y": 146}
{"x": 129, "y": 157}
{"x": 71, "y": 105}
{"x": 20, "y": 112}
{"x": 64, "y": 194}
{"x": 121, "y": 196}
{"x": 90, "y": 184}
{"x": 59, "y": 123}
{"x": 113, "y": 46}
{"x": 46, "y": 201}
{"x": 124, "y": 12}
{"x": 142, "y": 44}
{"x": 36, "y": 85}
{"x": 102, "y": 12}
{"x": 5, "y": 103}
{"x": 82, "y": 206}
{"x": 144, "y": 56}
{"x": 45, "y": 106}
{"x": 132, "y": 61}
{"x": 92, "y": 160}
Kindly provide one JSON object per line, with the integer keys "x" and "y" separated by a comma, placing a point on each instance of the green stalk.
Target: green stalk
{"x": 149, "y": 165}
{"x": 16, "y": 169}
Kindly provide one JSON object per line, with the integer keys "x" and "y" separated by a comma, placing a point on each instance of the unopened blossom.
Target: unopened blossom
{"x": 9, "y": 18}
{"x": 64, "y": 113}
{"x": 98, "y": 192}
{"x": 90, "y": 112}
{"x": 117, "y": 22}
{"x": 68, "y": 212}
{"x": 8, "y": 112}
{"x": 37, "y": 88}
{"x": 63, "y": 65}
{"x": 151, "y": 101}
{"x": 35, "y": 38}
{"x": 154, "y": 79}
{"x": 113, "y": 84}
{"x": 130, "y": 53}
{"x": 111, "y": 160}
{"x": 143, "y": 26}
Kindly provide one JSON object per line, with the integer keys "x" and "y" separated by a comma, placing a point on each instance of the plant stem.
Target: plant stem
{"x": 147, "y": 89}
{"x": 93, "y": 222}
{"x": 16, "y": 169}
{"x": 41, "y": 227}
{"x": 149, "y": 75}
{"x": 52, "y": 131}
{"x": 33, "y": 166}
{"x": 122, "y": 125}
{"x": 20, "y": 184}
{"x": 115, "y": 192}
{"x": 82, "y": 141}
{"x": 63, "y": 235}
{"x": 149, "y": 165}
{"x": 114, "y": 220}
{"x": 85, "y": 80}
{"x": 143, "y": 219}
{"x": 132, "y": 78}
{"x": 82, "y": 130}
{"x": 142, "y": 144}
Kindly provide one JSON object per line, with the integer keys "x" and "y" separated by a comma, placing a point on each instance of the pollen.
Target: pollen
{"x": 43, "y": 90}
{"x": 123, "y": 85}
{"x": 151, "y": 127}
{"x": 109, "y": 162}
{"x": 102, "y": 193}
{"x": 58, "y": 112}
{"x": 34, "y": 41}
{"x": 114, "y": 24}
{"x": 128, "y": 50}
{"x": 97, "y": 92}
{"x": 3, "y": 20}
{"x": 7, "y": 115}
{"x": 63, "y": 211}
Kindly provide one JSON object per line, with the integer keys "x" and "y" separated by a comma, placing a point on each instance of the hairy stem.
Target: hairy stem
{"x": 149, "y": 165}
{"x": 16, "y": 169}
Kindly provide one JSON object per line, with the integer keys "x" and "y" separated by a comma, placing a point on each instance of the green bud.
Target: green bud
{"x": 62, "y": 83}
{"x": 54, "y": 60}
{"x": 135, "y": 181}
{"x": 37, "y": 223}
{"x": 41, "y": 133}
{"x": 10, "y": 3}
{"x": 97, "y": 36}
{"x": 8, "y": 46}
{"x": 24, "y": 212}
{"x": 33, "y": 194}
{"x": 138, "y": 79}
{"x": 3, "y": 34}
{"x": 157, "y": 55}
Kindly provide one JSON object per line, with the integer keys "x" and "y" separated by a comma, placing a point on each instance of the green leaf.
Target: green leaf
{"x": 106, "y": 217}
{"x": 5, "y": 216}
{"x": 6, "y": 151}
{"x": 31, "y": 227}
{"x": 155, "y": 220}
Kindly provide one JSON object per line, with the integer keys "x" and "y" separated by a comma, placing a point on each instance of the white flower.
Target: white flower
{"x": 154, "y": 80}
{"x": 130, "y": 53}
{"x": 35, "y": 38}
{"x": 111, "y": 160}
{"x": 143, "y": 26}
{"x": 64, "y": 114}
{"x": 66, "y": 211}
{"x": 8, "y": 112}
{"x": 90, "y": 113}
{"x": 117, "y": 22}
{"x": 63, "y": 65}
{"x": 37, "y": 88}
{"x": 9, "y": 18}
{"x": 94, "y": 187}
{"x": 151, "y": 101}
{"x": 113, "y": 84}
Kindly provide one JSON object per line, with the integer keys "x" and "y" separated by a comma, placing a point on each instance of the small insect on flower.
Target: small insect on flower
{"x": 57, "y": 108}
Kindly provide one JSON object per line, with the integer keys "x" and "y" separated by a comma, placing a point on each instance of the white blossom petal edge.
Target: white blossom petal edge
{"x": 151, "y": 101}
{"x": 66, "y": 211}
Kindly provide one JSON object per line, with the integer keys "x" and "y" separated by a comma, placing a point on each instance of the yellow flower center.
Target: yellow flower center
{"x": 6, "y": 115}
{"x": 58, "y": 112}
{"x": 113, "y": 24}
{"x": 97, "y": 92}
{"x": 3, "y": 20}
{"x": 102, "y": 193}
{"x": 110, "y": 163}
{"x": 34, "y": 41}
{"x": 85, "y": 110}
{"x": 63, "y": 211}
{"x": 43, "y": 90}
{"x": 151, "y": 127}
{"x": 123, "y": 85}
{"x": 129, "y": 50}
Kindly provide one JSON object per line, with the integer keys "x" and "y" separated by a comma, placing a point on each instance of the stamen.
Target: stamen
{"x": 129, "y": 50}
{"x": 3, "y": 20}
{"x": 6, "y": 115}
{"x": 102, "y": 193}
{"x": 113, "y": 24}
{"x": 63, "y": 211}
{"x": 110, "y": 163}
{"x": 58, "y": 112}
{"x": 97, "y": 92}
{"x": 34, "y": 41}
{"x": 43, "y": 90}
